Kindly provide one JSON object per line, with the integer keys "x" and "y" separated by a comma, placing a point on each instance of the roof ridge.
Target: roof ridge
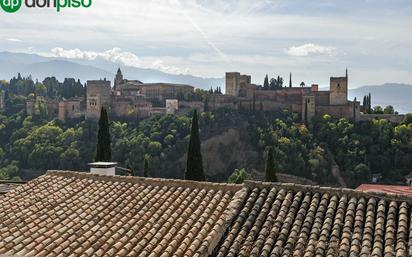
{"x": 153, "y": 181}
{"x": 234, "y": 187}
{"x": 332, "y": 190}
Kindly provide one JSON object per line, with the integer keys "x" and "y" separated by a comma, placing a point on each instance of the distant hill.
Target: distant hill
{"x": 397, "y": 95}
{"x": 40, "y": 67}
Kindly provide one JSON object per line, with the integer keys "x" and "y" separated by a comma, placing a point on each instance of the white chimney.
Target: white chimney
{"x": 103, "y": 168}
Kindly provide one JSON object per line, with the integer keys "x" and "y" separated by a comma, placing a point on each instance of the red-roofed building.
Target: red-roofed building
{"x": 389, "y": 189}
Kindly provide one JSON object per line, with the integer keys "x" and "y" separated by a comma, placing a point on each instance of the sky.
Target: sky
{"x": 312, "y": 39}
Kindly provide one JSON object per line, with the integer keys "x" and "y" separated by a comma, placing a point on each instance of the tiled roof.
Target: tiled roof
{"x": 62, "y": 214}
{"x": 7, "y": 186}
{"x": 389, "y": 189}
{"x": 78, "y": 214}
{"x": 291, "y": 220}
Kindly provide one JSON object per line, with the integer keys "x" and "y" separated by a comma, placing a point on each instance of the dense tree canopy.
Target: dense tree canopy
{"x": 30, "y": 146}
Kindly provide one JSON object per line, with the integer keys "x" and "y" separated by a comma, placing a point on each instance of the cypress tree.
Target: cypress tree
{"x": 146, "y": 167}
{"x": 290, "y": 79}
{"x": 194, "y": 170}
{"x": 103, "y": 151}
{"x": 270, "y": 171}
{"x": 266, "y": 82}
{"x": 370, "y": 103}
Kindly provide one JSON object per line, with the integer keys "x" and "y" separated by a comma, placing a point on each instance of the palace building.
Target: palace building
{"x": 131, "y": 98}
{"x": 308, "y": 101}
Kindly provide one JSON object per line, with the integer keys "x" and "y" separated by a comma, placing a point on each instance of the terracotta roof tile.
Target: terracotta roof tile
{"x": 76, "y": 214}
{"x": 86, "y": 215}
{"x": 312, "y": 221}
{"x": 389, "y": 189}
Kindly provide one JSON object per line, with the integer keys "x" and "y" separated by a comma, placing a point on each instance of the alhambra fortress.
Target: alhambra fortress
{"x": 133, "y": 99}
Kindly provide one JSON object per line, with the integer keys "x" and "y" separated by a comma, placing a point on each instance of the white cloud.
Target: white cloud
{"x": 116, "y": 55}
{"x": 309, "y": 49}
{"x": 213, "y": 36}
{"x": 15, "y": 40}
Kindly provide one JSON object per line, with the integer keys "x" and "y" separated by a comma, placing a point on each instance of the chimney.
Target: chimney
{"x": 103, "y": 168}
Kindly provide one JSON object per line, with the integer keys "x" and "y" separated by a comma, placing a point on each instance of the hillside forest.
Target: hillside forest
{"x": 326, "y": 151}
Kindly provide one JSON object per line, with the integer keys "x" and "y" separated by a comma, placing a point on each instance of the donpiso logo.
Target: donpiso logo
{"x": 12, "y": 6}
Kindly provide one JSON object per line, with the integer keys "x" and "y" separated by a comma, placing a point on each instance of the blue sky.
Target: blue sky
{"x": 312, "y": 39}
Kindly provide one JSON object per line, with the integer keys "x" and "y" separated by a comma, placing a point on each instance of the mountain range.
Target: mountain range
{"x": 40, "y": 67}
{"x": 395, "y": 94}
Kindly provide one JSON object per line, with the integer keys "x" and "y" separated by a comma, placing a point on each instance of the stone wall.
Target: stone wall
{"x": 339, "y": 111}
{"x": 129, "y": 107}
{"x": 322, "y": 97}
{"x": 69, "y": 109}
{"x": 163, "y": 91}
{"x": 52, "y": 109}
{"x": 187, "y": 107}
{"x": 223, "y": 101}
{"x": 308, "y": 107}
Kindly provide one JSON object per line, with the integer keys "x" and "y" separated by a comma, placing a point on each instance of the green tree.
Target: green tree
{"x": 362, "y": 172}
{"x": 194, "y": 170}
{"x": 238, "y": 177}
{"x": 408, "y": 119}
{"x": 266, "y": 82}
{"x": 378, "y": 110}
{"x": 103, "y": 152}
{"x": 154, "y": 148}
{"x": 9, "y": 172}
{"x": 290, "y": 79}
{"x": 389, "y": 110}
{"x": 146, "y": 167}
{"x": 270, "y": 171}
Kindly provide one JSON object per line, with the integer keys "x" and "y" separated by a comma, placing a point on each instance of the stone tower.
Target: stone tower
{"x": 339, "y": 90}
{"x": 98, "y": 96}
{"x": 232, "y": 83}
{"x": 118, "y": 79}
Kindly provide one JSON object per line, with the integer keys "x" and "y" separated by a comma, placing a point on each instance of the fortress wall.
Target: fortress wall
{"x": 122, "y": 108}
{"x": 322, "y": 97}
{"x": 338, "y": 111}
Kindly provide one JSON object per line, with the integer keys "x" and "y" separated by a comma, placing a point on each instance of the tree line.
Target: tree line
{"x": 49, "y": 87}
